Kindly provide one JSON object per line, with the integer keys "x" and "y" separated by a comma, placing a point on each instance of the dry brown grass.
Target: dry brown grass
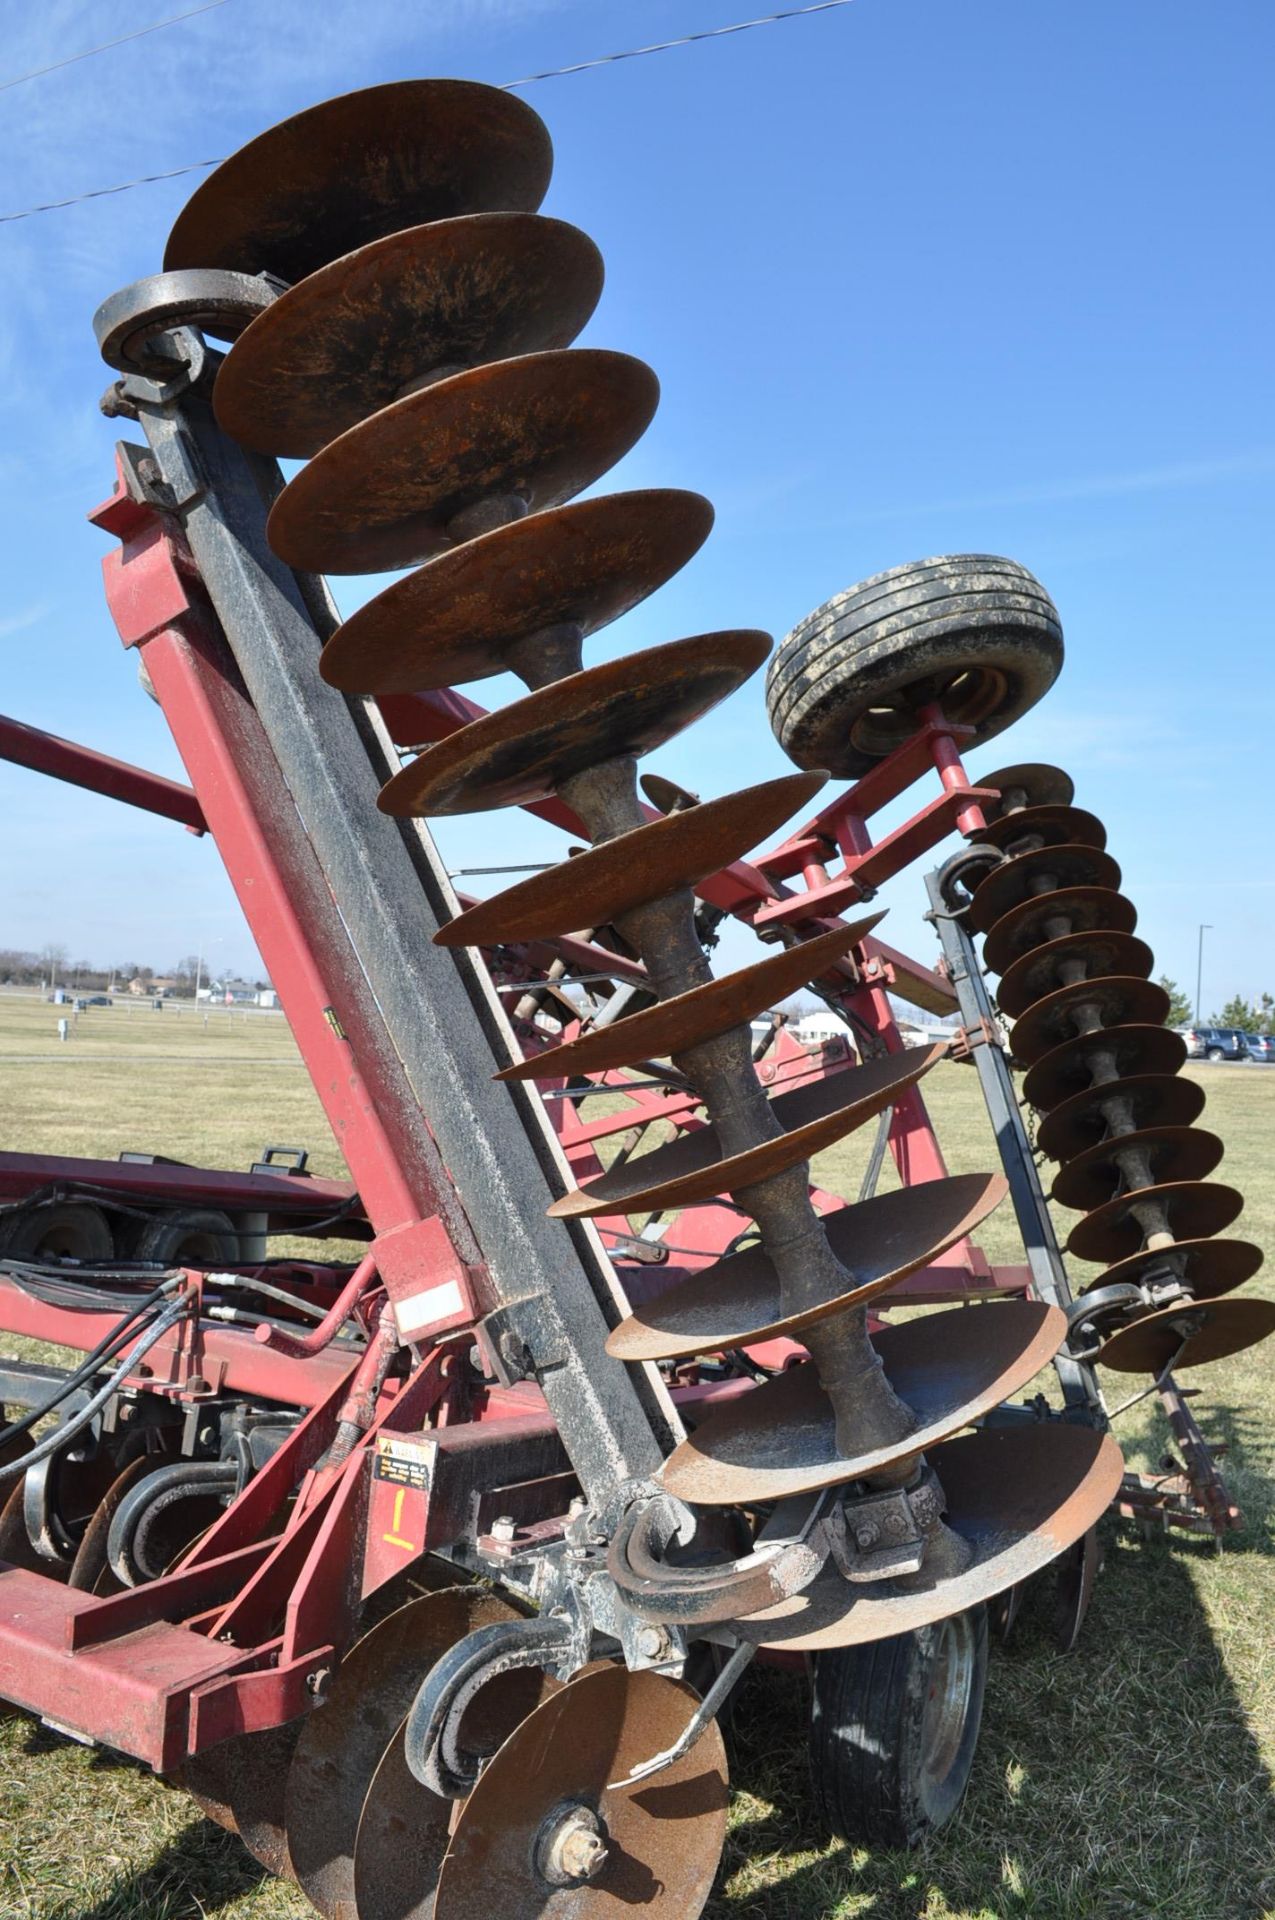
{"x": 1129, "y": 1780}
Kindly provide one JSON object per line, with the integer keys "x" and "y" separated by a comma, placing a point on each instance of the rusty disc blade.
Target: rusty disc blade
{"x": 1039, "y": 973}
{"x": 256, "y": 1778}
{"x": 1152, "y": 1343}
{"x": 344, "y": 1740}
{"x": 1119, "y": 1001}
{"x": 457, "y": 617}
{"x": 701, "y": 1014}
{"x": 15, "y": 1543}
{"x": 1064, "y": 866}
{"x": 691, "y": 1168}
{"x": 348, "y": 340}
{"x": 1155, "y": 1099}
{"x": 1040, "y": 785}
{"x": 1175, "y": 1153}
{"x": 611, "y": 879}
{"x": 524, "y": 752}
{"x": 1209, "y": 1268}
{"x": 206, "y": 1778}
{"x": 541, "y": 428}
{"x": 666, "y": 794}
{"x": 90, "y": 1571}
{"x": 780, "y": 1438}
{"x": 1078, "y": 1569}
{"x": 1028, "y": 925}
{"x": 878, "y": 1241}
{"x": 1196, "y": 1209}
{"x": 1054, "y": 826}
{"x": 359, "y": 166}
{"x": 1136, "y": 1050}
{"x": 664, "y": 1835}
{"x": 1020, "y": 1497}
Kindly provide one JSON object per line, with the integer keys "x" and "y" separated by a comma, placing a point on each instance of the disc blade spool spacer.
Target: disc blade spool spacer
{"x": 1010, "y": 884}
{"x": 1054, "y": 826}
{"x": 359, "y": 166}
{"x": 1209, "y": 1268}
{"x": 525, "y": 751}
{"x": 612, "y": 878}
{"x": 736, "y": 1301}
{"x": 1038, "y": 974}
{"x": 691, "y": 1169}
{"x": 1175, "y": 1153}
{"x": 542, "y": 427}
{"x": 1051, "y": 1021}
{"x": 703, "y": 1013}
{"x": 344, "y": 1740}
{"x": 1019, "y": 1496}
{"x": 1156, "y": 1100}
{"x": 1043, "y": 786}
{"x": 347, "y": 340}
{"x": 664, "y": 1836}
{"x": 780, "y": 1439}
{"x": 1152, "y": 1343}
{"x": 1196, "y": 1209}
{"x": 1068, "y": 1069}
{"x": 1026, "y": 926}
{"x": 456, "y": 618}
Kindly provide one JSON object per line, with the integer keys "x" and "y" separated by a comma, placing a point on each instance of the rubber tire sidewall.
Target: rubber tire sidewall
{"x": 866, "y": 1726}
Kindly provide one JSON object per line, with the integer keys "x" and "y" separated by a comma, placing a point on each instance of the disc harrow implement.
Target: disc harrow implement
{"x": 1102, "y": 1070}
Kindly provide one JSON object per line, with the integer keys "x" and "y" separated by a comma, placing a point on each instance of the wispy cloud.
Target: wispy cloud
{"x": 12, "y": 623}
{"x": 1179, "y": 474}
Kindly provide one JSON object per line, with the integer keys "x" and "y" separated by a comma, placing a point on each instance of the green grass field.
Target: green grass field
{"x": 1129, "y": 1779}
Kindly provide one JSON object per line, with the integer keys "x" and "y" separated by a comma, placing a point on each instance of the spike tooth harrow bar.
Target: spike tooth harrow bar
{"x": 480, "y": 1396}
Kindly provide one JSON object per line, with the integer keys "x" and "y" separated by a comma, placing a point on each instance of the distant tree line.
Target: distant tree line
{"x": 53, "y": 966}
{"x": 1249, "y": 1016}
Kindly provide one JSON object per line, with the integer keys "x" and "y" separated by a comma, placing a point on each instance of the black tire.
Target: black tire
{"x": 188, "y": 1237}
{"x": 76, "y": 1230}
{"x": 978, "y": 633}
{"x": 887, "y": 1768}
{"x": 1214, "y": 1053}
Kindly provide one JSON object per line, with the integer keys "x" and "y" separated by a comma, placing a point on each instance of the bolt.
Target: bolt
{"x": 126, "y": 1413}
{"x": 207, "y": 1435}
{"x": 317, "y": 1682}
{"x": 504, "y": 1527}
{"x": 649, "y": 1642}
{"x": 865, "y": 1535}
{"x": 572, "y": 1847}
{"x": 582, "y": 1853}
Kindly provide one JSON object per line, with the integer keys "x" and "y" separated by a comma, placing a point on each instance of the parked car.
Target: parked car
{"x": 98, "y": 1000}
{"x": 1216, "y": 1043}
{"x": 1261, "y": 1046}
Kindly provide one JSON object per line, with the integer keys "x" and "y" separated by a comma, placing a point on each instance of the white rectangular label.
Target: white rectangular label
{"x": 427, "y": 1308}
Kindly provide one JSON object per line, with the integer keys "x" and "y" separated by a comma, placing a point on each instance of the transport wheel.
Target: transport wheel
{"x": 893, "y": 1729}
{"x": 188, "y": 1237}
{"x": 73, "y": 1231}
{"x": 974, "y": 632}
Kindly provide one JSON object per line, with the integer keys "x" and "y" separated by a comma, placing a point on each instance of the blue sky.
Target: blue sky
{"x": 915, "y": 278}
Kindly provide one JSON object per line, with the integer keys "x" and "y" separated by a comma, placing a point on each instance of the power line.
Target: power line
{"x": 531, "y": 79}
{"x": 156, "y": 26}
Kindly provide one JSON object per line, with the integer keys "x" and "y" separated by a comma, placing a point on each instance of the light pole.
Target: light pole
{"x": 1205, "y": 927}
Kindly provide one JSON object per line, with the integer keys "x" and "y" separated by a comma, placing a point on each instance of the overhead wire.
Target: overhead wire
{"x": 509, "y": 86}
{"x": 87, "y": 53}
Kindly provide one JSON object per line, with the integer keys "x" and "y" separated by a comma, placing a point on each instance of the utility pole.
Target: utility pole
{"x": 1205, "y": 927}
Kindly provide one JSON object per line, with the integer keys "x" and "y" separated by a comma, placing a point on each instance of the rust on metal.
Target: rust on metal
{"x": 524, "y": 752}
{"x": 1188, "y": 1335}
{"x": 351, "y": 338}
{"x": 780, "y": 1439}
{"x": 1053, "y": 826}
{"x": 700, "y": 1014}
{"x": 665, "y": 794}
{"x": 1117, "y": 1001}
{"x": 1173, "y": 1153}
{"x": 1208, "y": 1268}
{"x": 1033, "y": 921}
{"x": 1136, "y": 1051}
{"x": 618, "y": 875}
{"x": 660, "y": 1839}
{"x": 256, "y": 1776}
{"x": 1194, "y": 1210}
{"x": 1019, "y": 1496}
{"x": 352, "y": 169}
{"x": 878, "y": 1242}
{"x": 1039, "y": 786}
{"x": 457, "y": 617}
{"x": 1038, "y": 973}
{"x": 342, "y": 1743}
{"x": 533, "y": 430}
{"x": 1019, "y": 878}
{"x": 1152, "y": 1099}
{"x": 691, "y": 1168}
